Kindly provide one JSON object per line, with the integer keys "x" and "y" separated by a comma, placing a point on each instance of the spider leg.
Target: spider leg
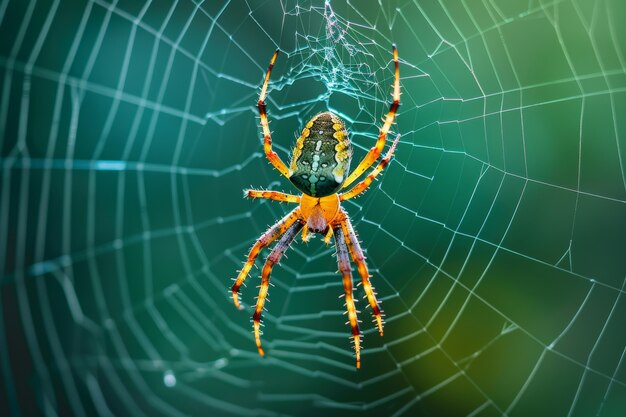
{"x": 364, "y": 185}
{"x": 273, "y": 258}
{"x": 305, "y": 235}
{"x": 359, "y": 259}
{"x": 375, "y": 152}
{"x": 272, "y": 195}
{"x": 328, "y": 236}
{"x": 266, "y": 238}
{"x": 343, "y": 261}
{"x": 267, "y": 141}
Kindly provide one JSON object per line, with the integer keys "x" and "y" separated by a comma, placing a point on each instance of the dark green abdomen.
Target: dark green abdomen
{"x": 321, "y": 159}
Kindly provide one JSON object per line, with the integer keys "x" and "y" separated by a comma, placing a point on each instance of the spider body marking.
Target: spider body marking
{"x": 320, "y": 168}
{"x": 322, "y": 156}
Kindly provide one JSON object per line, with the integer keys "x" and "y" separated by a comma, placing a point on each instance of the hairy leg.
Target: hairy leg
{"x": 359, "y": 259}
{"x": 364, "y": 185}
{"x": 272, "y": 259}
{"x": 375, "y": 152}
{"x": 272, "y": 195}
{"x": 266, "y": 238}
{"x": 343, "y": 262}
{"x": 267, "y": 136}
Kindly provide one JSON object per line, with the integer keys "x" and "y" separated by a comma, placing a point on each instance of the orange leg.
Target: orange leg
{"x": 272, "y": 259}
{"x": 328, "y": 236}
{"x": 375, "y": 152}
{"x": 343, "y": 261}
{"x": 305, "y": 235}
{"x": 266, "y": 238}
{"x": 267, "y": 141}
{"x": 363, "y": 185}
{"x": 357, "y": 255}
{"x": 272, "y": 195}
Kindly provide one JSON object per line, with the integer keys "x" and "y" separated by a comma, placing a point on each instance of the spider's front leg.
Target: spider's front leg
{"x": 343, "y": 262}
{"x": 375, "y": 152}
{"x": 364, "y": 185}
{"x": 272, "y": 259}
{"x": 267, "y": 135}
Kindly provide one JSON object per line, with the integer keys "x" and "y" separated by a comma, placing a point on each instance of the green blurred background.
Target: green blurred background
{"x": 496, "y": 238}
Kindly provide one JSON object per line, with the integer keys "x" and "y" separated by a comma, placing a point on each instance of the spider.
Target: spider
{"x": 319, "y": 169}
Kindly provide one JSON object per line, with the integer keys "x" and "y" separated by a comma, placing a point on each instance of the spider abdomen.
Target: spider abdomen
{"x": 322, "y": 156}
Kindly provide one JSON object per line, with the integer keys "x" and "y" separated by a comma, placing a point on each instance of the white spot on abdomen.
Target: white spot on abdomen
{"x": 316, "y": 162}
{"x": 313, "y": 181}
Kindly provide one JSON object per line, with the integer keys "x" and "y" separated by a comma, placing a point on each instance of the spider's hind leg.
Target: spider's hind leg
{"x": 272, "y": 259}
{"x": 359, "y": 259}
{"x": 266, "y": 238}
{"x": 343, "y": 261}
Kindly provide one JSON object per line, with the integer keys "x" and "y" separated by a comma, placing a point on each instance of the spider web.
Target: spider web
{"x": 495, "y": 237}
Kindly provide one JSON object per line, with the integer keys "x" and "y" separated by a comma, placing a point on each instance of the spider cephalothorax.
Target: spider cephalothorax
{"x": 319, "y": 168}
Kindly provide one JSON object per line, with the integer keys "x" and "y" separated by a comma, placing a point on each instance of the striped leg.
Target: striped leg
{"x": 364, "y": 185}
{"x": 267, "y": 141}
{"x": 272, "y": 259}
{"x": 272, "y": 195}
{"x": 375, "y": 152}
{"x": 266, "y": 238}
{"x": 343, "y": 261}
{"x": 357, "y": 255}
